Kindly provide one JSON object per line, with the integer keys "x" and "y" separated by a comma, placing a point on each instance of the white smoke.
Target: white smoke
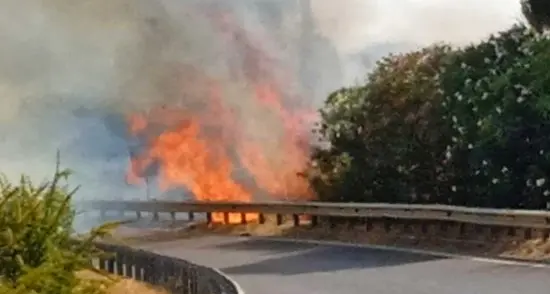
{"x": 70, "y": 70}
{"x": 354, "y": 24}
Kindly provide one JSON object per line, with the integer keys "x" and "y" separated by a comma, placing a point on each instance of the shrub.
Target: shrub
{"x": 497, "y": 102}
{"x": 386, "y": 138}
{"x": 38, "y": 252}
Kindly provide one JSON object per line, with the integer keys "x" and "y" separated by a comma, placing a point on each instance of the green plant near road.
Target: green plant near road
{"x": 497, "y": 102}
{"x": 386, "y": 136}
{"x": 462, "y": 126}
{"x": 38, "y": 252}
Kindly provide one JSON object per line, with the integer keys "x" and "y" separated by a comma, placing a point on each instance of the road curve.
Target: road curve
{"x": 274, "y": 267}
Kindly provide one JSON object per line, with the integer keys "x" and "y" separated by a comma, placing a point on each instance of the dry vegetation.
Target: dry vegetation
{"x": 122, "y": 285}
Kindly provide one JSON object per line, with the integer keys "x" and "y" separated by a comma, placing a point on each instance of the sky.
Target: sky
{"x": 359, "y": 22}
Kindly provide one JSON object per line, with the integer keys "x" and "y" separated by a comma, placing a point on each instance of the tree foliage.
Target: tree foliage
{"x": 497, "y": 101}
{"x": 38, "y": 252}
{"x": 537, "y": 13}
{"x": 464, "y": 126}
{"x": 382, "y": 134}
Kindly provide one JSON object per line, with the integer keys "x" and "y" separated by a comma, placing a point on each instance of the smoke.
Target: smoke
{"x": 71, "y": 71}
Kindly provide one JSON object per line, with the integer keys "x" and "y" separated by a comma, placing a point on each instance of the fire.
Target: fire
{"x": 201, "y": 149}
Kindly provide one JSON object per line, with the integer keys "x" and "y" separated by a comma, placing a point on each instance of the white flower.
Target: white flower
{"x": 504, "y": 169}
{"x": 529, "y": 183}
{"x": 484, "y": 96}
{"x": 479, "y": 123}
{"x": 454, "y": 139}
{"x": 541, "y": 152}
{"x": 477, "y": 172}
{"x": 454, "y": 119}
{"x": 540, "y": 182}
{"x": 520, "y": 99}
{"x": 484, "y": 162}
{"x": 448, "y": 155}
{"x": 453, "y": 188}
{"x": 495, "y": 181}
{"x": 463, "y": 65}
{"x": 546, "y": 193}
{"x": 487, "y": 60}
{"x": 498, "y": 109}
{"x": 470, "y": 146}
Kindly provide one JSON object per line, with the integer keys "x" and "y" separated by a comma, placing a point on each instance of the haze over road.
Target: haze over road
{"x": 273, "y": 267}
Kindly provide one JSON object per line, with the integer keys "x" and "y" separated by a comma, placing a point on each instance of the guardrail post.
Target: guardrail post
{"x": 173, "y": 216}
{"x": 387, "y": 224}
{"x": 314, "y": 220}
{"x": 183, "y": 273}
{"x": 155, "y": 216}
{"x": 368, "y": 224}
{"x": 140, "y": 263}
{"x": 243, "y": 218}
{"x": 119, "y": 262}
{"x": 102, "y": 214}
{"x": 191, "y": 216}
{"x": 226, "y": 218}
{"x": 129, "y": 262}
{"x": 192, "y": 276}
{"x": 208, "y": 217}
{"x": 261, "y": 218}
{"x": 138, "y": 214}
{"x": 296, "y": 220}
{"x": 279, "y": 220}
{"x": 111, "y": 265}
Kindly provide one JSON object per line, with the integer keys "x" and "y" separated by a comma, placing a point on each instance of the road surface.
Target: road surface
{"x": 272, "y": 267}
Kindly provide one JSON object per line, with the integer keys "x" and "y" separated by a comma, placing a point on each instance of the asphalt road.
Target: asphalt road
{"x": 272, "y": 267}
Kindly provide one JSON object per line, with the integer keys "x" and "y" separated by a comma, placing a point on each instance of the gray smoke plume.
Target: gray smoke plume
{"x": 71, "y": 71}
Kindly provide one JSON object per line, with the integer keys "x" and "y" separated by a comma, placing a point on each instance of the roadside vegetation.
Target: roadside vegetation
{"x": 38, "y": 252}
{"x": 462, "y": 126}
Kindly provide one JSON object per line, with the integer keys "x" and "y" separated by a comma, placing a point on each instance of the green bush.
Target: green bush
{"x": 467, "y": 126}
{"x": 38, "y": 249}
{"x": 386, "y": 138}
{"x": 497, "y": 102}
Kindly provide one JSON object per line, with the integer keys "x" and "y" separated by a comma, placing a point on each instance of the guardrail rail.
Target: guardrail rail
{"x": 175, "y": 275}
{"x": 441, "y": 220}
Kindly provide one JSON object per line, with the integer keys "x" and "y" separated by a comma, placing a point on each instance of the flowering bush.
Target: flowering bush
{"x": 497, "y": 102}
{"x": 467, "y": 126}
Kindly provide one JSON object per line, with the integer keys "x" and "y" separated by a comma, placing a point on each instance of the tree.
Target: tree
{"x": 384, "y": 138}
{"x": 537, "y": 13}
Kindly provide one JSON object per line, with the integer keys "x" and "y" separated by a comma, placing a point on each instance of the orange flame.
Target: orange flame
{"x": 199, "y": 153}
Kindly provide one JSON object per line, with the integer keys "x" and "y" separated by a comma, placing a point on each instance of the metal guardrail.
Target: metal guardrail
{"x": 175, "y": 275}
{"x": 531, "y": 219}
